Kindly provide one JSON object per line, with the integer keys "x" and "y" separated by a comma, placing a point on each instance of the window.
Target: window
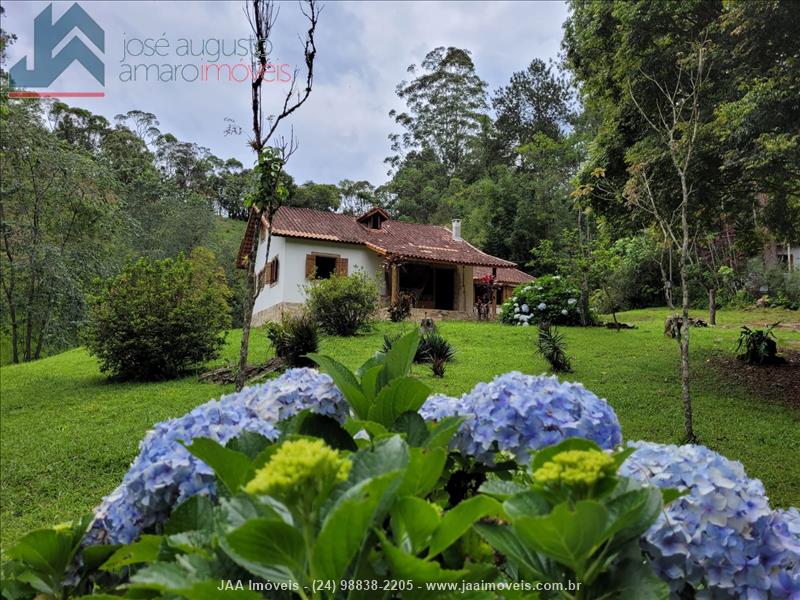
{"x": 375, "y": 222}
{"x": 268, "y": 275}
{"x": 323, "y": 266}
{"x": 273, "y": 271}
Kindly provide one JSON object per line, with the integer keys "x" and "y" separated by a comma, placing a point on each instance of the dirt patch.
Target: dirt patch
{"x": 778, "y": 383}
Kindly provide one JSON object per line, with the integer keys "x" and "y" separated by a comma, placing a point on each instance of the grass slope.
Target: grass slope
{"x": 67, "y": 435}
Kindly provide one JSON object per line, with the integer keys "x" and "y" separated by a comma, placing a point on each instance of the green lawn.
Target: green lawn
{"x": 67, "y": 435}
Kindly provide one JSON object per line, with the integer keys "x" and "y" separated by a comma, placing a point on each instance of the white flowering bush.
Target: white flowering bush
{"x": 548, "y": 298}
{"x": 519, "y": 413}
{"x": 164, "y": 474}
{"x": 721, "y": 538}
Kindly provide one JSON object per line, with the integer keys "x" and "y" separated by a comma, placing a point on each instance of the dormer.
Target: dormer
{"x": 374, "y": 218}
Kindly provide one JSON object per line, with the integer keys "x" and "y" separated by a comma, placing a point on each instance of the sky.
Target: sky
{"x": 156, "y": 54}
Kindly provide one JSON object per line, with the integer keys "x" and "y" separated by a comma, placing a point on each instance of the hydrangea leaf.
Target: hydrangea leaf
{"x": 528, "y": 503}
{"x": 145, "y": 550}
{"x": 387, "y": 454}
{"x": 443, "y": 431}
{"x": 407, "y": 566}
{"x": 414, "y": 519}
{"x": 320, "y": 426}
{"x": 369, "y": 382}
{"x": 347, "y": 524}
{"x": 633, "y": 512}
{"x": 398, "y": 396}
{"x": 269, "y": 548}
{"x": 249, "y": 443}
{"x": 458, "y": 520}
{"x": 503, "y": 539}
{"x": 501, "y": 489}
{"x": 232, "y": 468}
{"x": 346, "y": 382}
{"x": 424, "y": 469}
{"x": 195, "y": 513}
{"x": 568, "y": 536}
{"x": 399, "y": 358}
{"x": 413, "y": 425}
{"x": 353, "y": 426}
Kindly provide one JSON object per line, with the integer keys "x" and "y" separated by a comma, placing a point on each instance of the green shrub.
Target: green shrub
{"x": 400, "y": 310}
{"x": 550, "y": 344}
{"x": 758, "y": 346}
{"x": 342, "y": 305}
{"x": 293, "y": 338}
{"x": 159, "y": 318}
{"x": 549, "y": 299}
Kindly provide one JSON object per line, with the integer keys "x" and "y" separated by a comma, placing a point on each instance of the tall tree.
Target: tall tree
{"x": 57, "y": 210}
{"x": 271, "y": 180}
{"x": 445, "y": 99}
{"x": 643, "y": 70}
{"x": 536, "y": 100}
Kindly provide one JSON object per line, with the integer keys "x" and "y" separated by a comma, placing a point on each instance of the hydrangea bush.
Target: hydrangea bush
{"x": 721, "y": 538}
{"x": 549, "y": 298}
{"x": 518, "y": 413}
{"x": 164, "y": 474}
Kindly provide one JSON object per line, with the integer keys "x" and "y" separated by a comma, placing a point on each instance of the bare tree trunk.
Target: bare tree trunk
{"x": 712, "y": 306}
{"x": 261, "y": 15}
{"x": 685, "y": 391}
{"x": 584, "y": 312}
{"x": 249, "y": 300}
{"x": 666, "y": 280}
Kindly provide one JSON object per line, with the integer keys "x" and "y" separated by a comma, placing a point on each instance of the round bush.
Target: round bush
{"x": 342, "y": 305}
{"x": 164, "y": 474}
{"x": 548, "y": 299}
{"x": 721, "y": 538}
{"x": 518, "y": 413}
{"x": 159, "y": 318}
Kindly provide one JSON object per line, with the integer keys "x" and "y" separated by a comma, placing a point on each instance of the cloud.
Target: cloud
{"x": 364, "y": 49}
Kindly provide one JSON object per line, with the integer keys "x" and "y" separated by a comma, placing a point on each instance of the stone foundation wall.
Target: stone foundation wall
{"x": 276, "y": 312}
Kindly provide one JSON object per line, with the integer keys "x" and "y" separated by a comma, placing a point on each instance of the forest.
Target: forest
{"x": 546, "y": 170}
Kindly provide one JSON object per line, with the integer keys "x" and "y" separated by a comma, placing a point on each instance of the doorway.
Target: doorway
{"x": 444, "y": 290}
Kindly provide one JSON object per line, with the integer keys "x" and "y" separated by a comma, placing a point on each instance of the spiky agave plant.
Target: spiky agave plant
{"x": 550, "y": 344}
{"x": 437, "y": 351}
{"x": 293, "y": 338}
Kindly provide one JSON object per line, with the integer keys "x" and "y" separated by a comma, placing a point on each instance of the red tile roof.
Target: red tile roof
{"x": 395, "y": 239}
{"x": 506, "y": 276}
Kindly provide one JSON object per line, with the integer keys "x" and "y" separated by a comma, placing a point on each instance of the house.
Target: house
{"x": 431, "y": 263}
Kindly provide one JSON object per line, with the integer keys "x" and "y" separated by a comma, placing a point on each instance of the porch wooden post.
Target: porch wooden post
{"x": 395, "y": 286}
{"x": 494, "y": 294}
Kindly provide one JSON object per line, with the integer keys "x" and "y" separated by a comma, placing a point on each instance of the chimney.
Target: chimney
{"x": 456, "y": 229}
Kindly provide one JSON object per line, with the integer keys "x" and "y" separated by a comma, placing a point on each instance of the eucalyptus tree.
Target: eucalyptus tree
{"x": 445, "y": 101}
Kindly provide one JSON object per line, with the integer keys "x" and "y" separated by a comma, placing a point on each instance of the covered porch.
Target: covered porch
{"x": 435, "y": 289}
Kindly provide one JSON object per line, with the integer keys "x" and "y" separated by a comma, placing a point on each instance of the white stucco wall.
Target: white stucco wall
{"x": 291, "y": 253}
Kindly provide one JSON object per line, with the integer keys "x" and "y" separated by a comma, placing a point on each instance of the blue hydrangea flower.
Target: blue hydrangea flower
{"x": 721, "y": 538}
{"x": 164, "y": 474}
{"x": 518, "y": 413}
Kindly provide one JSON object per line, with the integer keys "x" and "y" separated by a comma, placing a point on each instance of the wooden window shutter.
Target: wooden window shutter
{"x": 310, "y": 266}
{"x": 341, "y": 266}
{"x": 273, "y": 274}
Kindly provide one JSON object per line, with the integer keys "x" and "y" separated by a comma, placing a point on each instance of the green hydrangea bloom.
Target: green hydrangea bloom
{"x": 300, "y": 468}
{"x": 575, "y": 467}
